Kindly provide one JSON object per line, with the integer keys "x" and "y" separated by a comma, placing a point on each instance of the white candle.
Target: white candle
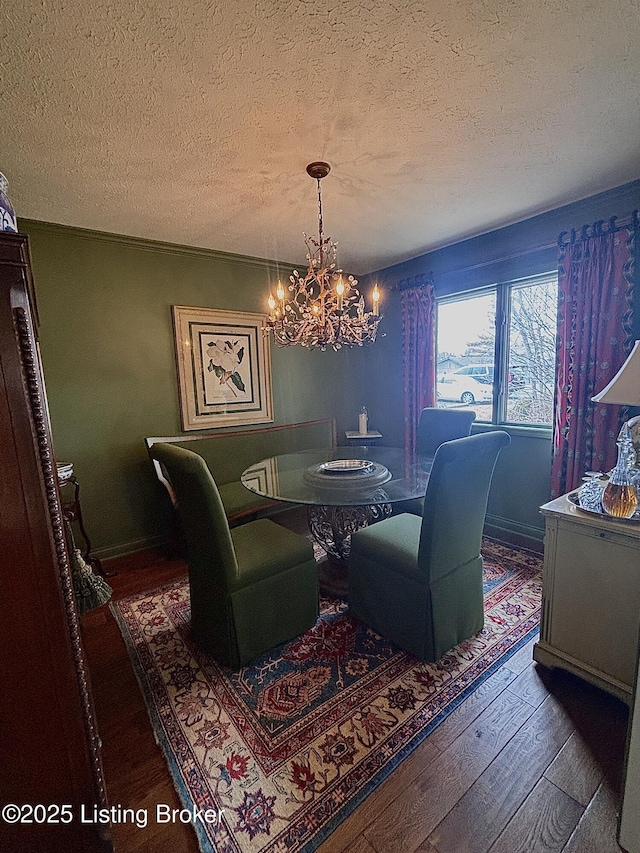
{"x": 376, "y": 300}
{"x": 340, "y": 293}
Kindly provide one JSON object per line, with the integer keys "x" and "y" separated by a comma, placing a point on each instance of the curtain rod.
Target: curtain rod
{"x": 602, "y": 226}
{"x": 423, "y": 279}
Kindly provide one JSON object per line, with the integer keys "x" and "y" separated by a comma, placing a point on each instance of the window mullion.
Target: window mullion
{"x": 501, "y": 354}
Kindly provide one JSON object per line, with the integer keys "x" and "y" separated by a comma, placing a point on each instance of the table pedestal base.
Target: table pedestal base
{"x": 331, "y": 527}
{"x": 333, "y": 577}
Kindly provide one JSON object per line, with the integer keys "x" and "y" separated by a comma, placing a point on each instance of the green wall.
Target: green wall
{"x": 108, "y": 357}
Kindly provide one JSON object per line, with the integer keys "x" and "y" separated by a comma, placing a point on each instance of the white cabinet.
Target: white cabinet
{"x": 591, "y": 597}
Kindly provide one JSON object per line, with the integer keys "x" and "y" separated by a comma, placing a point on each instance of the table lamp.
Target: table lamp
{"x": 620, "y": 497}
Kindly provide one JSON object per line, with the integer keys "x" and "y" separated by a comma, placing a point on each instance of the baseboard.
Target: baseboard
{"x": 518, "y": 535}
{"x": 521, "y": 536}
{"x": 125, "y": 548}
{"x": 162, "y": 540}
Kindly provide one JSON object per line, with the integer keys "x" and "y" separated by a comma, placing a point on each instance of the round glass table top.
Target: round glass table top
{"x": 340, "y": 476}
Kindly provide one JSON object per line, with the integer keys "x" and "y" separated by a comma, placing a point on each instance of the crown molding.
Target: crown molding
{"x": 152, "y": 245}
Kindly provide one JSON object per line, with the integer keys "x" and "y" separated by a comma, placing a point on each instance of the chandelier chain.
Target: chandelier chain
{"x": 320, "y": 225}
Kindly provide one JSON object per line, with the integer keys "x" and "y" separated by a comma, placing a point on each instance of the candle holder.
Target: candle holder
{"x": 363, "y": 421}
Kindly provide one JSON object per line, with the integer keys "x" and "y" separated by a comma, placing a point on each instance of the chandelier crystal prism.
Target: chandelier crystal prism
{"x": 322, "y": 308}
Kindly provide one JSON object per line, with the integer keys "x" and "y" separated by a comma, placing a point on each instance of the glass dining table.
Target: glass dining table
{"x": 343, "y": 489}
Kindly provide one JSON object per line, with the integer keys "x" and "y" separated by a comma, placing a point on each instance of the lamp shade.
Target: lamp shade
{"x": 624, "y": 388}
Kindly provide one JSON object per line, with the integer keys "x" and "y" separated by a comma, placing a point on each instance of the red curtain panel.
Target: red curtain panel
{"x": 595, "y": 319}
{"x": 419, "y": 353}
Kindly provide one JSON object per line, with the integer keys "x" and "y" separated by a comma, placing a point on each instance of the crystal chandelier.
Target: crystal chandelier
{"x": 321, "y": 308}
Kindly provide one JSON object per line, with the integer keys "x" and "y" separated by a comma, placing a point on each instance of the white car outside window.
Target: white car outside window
{"x": 453, "y": 387}
{"x": 482, "y": 372}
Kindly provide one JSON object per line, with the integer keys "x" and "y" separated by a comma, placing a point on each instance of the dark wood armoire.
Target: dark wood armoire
{"x": 49, "y": 745}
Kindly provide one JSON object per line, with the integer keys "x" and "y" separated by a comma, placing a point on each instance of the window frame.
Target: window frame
{"x": 502, "y": 332}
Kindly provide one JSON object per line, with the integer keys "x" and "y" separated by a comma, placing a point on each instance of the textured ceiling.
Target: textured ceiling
{"x": 192, "y": 121}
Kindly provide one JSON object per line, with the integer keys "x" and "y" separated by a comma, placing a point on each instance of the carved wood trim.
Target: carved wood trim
{"x": 31, "y": 375}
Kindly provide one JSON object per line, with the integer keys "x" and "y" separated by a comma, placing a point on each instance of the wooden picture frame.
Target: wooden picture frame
{"x": 224, "y": 368}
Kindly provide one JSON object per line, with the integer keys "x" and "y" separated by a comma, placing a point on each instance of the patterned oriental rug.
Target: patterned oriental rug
{"x": 287, "y": 747}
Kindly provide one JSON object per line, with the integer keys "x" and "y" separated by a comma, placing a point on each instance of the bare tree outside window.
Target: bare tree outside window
{"x": 532, "y": 352}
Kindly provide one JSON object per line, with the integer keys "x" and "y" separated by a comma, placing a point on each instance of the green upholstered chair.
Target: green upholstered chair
{"x": 252, "y": 587}
{"x": 434, "y": 428}
{"x": 418, "y": 581}
{"x": 439, "y": 425}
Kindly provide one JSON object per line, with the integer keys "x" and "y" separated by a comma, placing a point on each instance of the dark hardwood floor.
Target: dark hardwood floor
{"x": 530, "y": 762}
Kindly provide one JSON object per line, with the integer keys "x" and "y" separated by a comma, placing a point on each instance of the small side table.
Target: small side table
{"x": 72, "y": 511}
{"x": 355, "y": 437}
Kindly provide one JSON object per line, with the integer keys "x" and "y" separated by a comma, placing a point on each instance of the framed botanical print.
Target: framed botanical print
{"x": 224, "y": 368}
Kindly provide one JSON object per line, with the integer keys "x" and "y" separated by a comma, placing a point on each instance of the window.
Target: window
{"x": 496, "y": 351}
{"x": 466, "y": 344}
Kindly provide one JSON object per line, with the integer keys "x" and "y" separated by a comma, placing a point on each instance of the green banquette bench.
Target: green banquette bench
{"x": 227, "y": 454}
